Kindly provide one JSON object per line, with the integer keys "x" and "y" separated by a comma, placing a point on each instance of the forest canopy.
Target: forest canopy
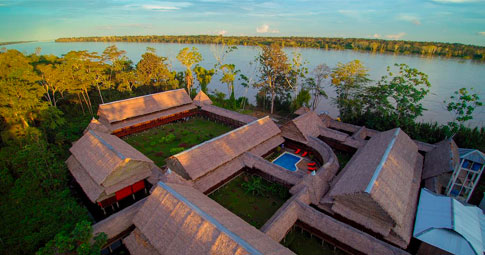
{"x": 360, "y": 44}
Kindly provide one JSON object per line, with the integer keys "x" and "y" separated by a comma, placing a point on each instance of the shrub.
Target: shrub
{"x": 176, "y": 150}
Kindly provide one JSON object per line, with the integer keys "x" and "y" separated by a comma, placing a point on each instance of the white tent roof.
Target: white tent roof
{"x": 449, "y": 225}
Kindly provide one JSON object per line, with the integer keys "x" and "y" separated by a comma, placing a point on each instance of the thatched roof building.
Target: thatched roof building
{"x": 302, "y": 110}
{"x": 379, "y": 187}
{"x": 206, "y": 157}
{"x": 103, "y": 164}
{"x": 141, "y": 110}
{"x": 303, "y": 126}
{"x": 202, "y": 99}
{"x": 226, "y": 116}
{"x": 442, "y": 159}
{"x": 178, "y": 219}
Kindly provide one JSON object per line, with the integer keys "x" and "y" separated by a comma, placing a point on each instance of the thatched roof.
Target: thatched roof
{"x": 302, "y": 110}
{"x": 107, "y": 162}
{"x": 379, "y": 186}
{"x": 138, "y": 106}
{"x": 178, "y": 219}
{"x": 96, "y": 126}
{"x": 207, "y": 156}
{"x": 202, "y": 99}
{"x": 243, "y": 118}
{"x": 442, "y": 159}
{"x": 303, "y": 126}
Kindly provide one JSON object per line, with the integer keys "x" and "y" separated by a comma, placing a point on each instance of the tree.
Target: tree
{"x": 348, "y": 80}
{"x": 229, "y": 73}
{"x": 20, "y": 92}
{"x": 204, "y": 77}
{"x": 302, "y": 99}
{"x": 188, "y": 58}
{"x": 315, "y": 84}
{"x": 462, "y": 104}
{"x": 398, "y": 95}
{"x": 77, "y": 242}
{"x": 274, "y": 69}
{"x": 152, "y": 71}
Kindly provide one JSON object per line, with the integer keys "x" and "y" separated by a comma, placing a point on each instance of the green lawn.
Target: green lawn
{"x": 164, "y": 141}
{"x": 255, "y": 209}
{"x": 304, "y": 244}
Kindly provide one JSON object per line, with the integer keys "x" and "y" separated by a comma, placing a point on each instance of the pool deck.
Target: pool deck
{"x": 302, "y": 164}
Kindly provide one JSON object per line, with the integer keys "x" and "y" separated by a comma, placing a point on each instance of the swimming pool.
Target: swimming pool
{"x": 288, "y": 161}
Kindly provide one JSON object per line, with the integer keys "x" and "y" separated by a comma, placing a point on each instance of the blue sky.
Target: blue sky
{"x": 428, "y": 20}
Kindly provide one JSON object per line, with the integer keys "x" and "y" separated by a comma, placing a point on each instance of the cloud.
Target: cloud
{"x": 456, "y": 1}
{"x": 376, "y": 36}
{"x": 265, "y": 29}
{"x": 396, "y": 36}
{"x": 165, "y": 6}
{"x": 409, "y": 18}
{"x": 221, "y": 32}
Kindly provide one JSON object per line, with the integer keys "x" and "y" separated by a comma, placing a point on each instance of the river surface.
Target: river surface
{"x": 446, "y": 75}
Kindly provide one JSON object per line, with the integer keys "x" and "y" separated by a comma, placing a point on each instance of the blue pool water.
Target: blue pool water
{"x": 288, "y": 161}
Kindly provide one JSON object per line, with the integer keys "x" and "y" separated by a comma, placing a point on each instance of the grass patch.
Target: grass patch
{"x": 252, "y": 198}
{"x": 164, "y": 141}
{"x": 304, "y": 244}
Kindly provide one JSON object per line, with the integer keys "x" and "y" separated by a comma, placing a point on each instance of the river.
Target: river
{"x": 446, "y": 75}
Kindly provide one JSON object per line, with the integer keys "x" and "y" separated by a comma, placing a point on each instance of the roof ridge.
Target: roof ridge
{"x": 211, "y": 219}
{"x": 119, "y": 154}
{"x": 379, "y": 167}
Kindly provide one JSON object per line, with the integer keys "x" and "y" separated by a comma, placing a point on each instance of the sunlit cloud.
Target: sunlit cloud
{"x": 376, "y": 36}
{"x": 410, "y": 18}
{"x": 221, "y": 32}
{"x": 481, "y": 33}
{"x": 396, "y": 36}
{"x": 165, "y": 6}
{"x": 266, "y": 29}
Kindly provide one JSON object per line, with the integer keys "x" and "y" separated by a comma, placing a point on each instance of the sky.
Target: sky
{"x": 461, "y": 21}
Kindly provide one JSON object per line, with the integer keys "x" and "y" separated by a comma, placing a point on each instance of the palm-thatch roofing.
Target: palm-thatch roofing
{"x": 302, "y": 110}
{"x": 379, "y": 186}
{"x": 178, "y": 219}
{"x": 207, "y": 156}
{"x": 242, "y": 118}
{"x": 102, "y": 162}
{"x": 442, "y": 159}
{"x": 143, "y": 105}
{"x": 202, "y": 99}
{"x": 303, "y": 126}
{"x": 97, "y": 126}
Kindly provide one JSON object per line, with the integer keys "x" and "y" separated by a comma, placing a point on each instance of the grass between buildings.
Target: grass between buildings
{"x": 252, "y": 198}
{"x": 164, "y": 141}
{"x": 303, "y": 243}
{"x": 343, "y": 157}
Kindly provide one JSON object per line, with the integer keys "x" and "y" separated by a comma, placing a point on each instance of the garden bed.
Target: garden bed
{"x": 252, "y": 198}
{"x": 164, "y": 141}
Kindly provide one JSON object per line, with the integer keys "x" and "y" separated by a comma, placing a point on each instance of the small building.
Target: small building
{"x": 178, "y": 219}
{"x": 446, "y": 226}
{"x": 202, "y": 99}
{"x": 302, "y": 110}
{"x": 225, "y": 116}
{"x": 135, "y": 114}
{"x": 378, "y": 188}
{"x": 466, "y": 175}
{"x": 439, "y": 164}
{"x": 300, "y": 128}
{"x": 107, "y": 168}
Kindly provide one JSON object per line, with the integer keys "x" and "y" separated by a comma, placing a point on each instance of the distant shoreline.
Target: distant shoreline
{"x": 17, "y": 42}
{"x": 447, "y": 50}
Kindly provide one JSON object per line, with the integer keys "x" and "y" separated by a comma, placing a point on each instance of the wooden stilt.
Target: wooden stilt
{"x": 104, "y": 212}
{"x": 117, "y": 204}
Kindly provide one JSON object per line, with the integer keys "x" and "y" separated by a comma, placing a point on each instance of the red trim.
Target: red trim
{"x": 138, "y": 186}
{"x": 122, "y": 193}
